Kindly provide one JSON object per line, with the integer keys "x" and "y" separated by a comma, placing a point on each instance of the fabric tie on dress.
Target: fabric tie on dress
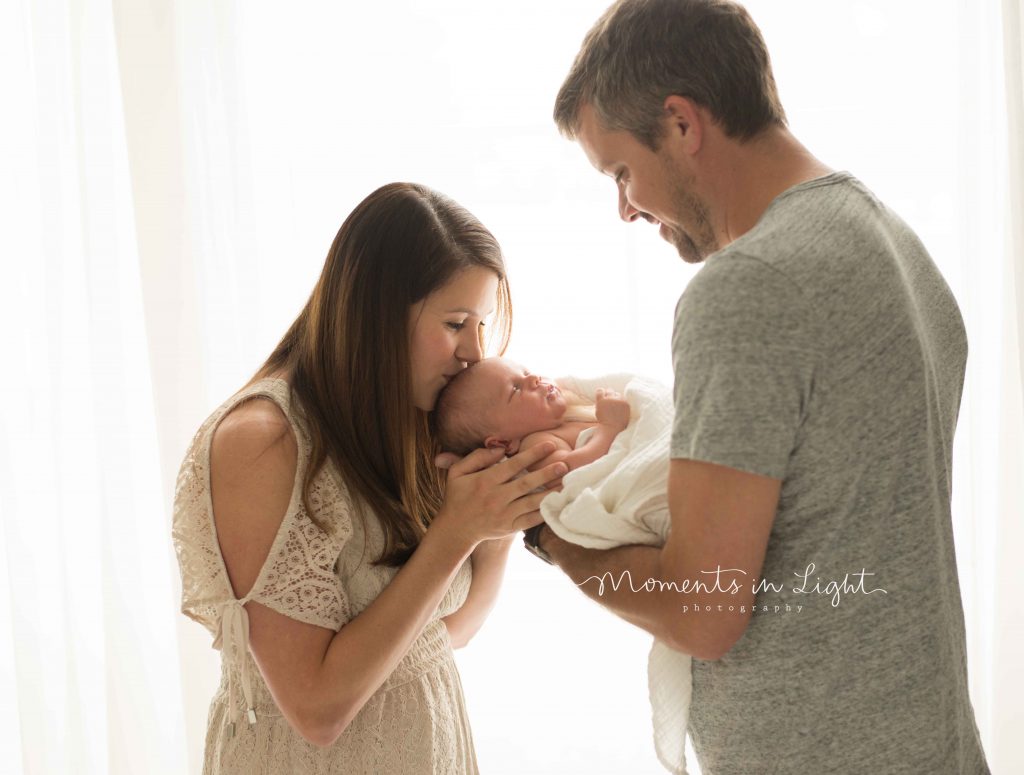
{"x": 233, "y": 638}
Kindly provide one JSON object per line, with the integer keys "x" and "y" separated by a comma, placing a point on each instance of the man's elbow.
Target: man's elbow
{"x": 704, "y": 649}
{"x": 706, "y": 643}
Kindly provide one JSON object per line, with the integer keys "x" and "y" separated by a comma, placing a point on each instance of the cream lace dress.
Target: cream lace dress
{"x": 415, "y": 723}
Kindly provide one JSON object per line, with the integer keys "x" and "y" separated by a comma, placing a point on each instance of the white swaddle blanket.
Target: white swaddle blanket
{"x": 622, "y": 498}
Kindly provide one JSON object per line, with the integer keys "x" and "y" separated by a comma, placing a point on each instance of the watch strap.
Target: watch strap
{"x": 531, "y": 540}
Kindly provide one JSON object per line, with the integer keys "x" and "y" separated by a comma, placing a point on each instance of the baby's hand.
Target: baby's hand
{"x": 611, "y": 409}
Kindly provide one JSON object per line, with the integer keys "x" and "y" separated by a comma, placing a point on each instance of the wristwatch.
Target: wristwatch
{"x": 531, "y": 540}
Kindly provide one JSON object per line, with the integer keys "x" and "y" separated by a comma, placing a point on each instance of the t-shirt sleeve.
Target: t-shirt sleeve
{"x": 745, "y": 348}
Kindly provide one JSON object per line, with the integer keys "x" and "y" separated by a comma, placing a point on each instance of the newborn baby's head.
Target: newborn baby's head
{"x": 495, "y": 403}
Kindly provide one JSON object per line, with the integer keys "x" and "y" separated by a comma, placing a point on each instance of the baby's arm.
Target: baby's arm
{"x": 612, "y": 413}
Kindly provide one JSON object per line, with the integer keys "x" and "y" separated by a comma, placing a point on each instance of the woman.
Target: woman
{"x": 316, "y": 539}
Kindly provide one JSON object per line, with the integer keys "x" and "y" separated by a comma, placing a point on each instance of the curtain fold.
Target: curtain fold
{"x": 88, "y": 584}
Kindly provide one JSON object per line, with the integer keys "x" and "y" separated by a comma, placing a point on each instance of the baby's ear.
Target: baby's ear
{"x": 493, "y": 442}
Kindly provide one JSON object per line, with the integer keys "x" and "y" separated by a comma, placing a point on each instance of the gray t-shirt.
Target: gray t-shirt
{"x": 823, "y": 348}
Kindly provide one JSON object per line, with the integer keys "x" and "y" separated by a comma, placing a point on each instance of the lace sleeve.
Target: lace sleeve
{"x": 300, "y": 578}
{"x": 204, "y": 580}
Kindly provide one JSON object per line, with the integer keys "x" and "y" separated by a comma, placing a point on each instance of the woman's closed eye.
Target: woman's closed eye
{"x": 458, "y": 325}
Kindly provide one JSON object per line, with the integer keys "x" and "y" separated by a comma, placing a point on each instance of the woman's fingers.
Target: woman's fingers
{"x": 527, "y": 510}
{"x": 510, "y": 497}
{"x": 539, "y": 478}
{"x": 446, "y": 460}
{"x": 527, "y": 520}
{"x": 519, "y": 462}
{"x": 477, "y": 460}
{"x": 482, "y": 458}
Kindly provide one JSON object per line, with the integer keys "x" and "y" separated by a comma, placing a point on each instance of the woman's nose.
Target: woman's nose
{"x": 533, "y": 381}
{"x": 470, "y": 349}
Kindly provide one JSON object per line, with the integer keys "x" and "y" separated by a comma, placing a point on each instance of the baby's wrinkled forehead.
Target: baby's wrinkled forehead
{"x": 485, "y": 385}
{"x": 470, "y": 386}
{"x": 494, "y": 377}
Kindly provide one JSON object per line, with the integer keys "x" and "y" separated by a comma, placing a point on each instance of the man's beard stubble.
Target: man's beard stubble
{"x": 699, "y": 242}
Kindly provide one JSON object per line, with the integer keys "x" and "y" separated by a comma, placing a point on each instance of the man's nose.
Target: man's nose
{"x": 627, "y": 212}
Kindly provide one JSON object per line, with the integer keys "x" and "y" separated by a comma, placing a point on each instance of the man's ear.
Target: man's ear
{"x": 685, "y": 121}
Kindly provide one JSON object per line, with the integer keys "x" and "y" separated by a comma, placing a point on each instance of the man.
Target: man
{"x": 819, "y": 362}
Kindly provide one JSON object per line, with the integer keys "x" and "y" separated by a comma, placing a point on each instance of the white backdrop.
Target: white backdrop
{"x": 173, "y": 174}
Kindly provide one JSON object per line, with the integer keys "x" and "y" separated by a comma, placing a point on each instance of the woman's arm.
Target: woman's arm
{"x": 320, "y": 678}
{"x": 489, "y": 560}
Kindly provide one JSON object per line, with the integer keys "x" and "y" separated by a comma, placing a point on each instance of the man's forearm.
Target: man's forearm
{"x": 631, "y": 582}
{"x": 604, "y": 575}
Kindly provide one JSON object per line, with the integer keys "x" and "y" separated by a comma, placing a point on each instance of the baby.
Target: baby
{"x": 497, "y": 403}
{"x": 620, "y": 499}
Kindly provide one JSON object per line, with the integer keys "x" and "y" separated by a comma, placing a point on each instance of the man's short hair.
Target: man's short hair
{"x": 642, "y": 51}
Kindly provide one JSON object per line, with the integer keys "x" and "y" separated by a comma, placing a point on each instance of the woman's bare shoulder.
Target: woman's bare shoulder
{"x": 251, "y": 430}
{"x": 253, "y": 462}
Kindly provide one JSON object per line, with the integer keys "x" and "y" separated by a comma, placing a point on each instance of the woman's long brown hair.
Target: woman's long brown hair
{"x": 348, "y": 360}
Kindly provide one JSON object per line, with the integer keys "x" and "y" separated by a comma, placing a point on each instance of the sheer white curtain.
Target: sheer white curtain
{"x": 172, "y": 175}
{"x": 89, "y": 653}
{"x": 1007, "y": 623}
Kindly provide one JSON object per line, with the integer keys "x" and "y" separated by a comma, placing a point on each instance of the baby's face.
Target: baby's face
{"x": 518, "y": 403}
